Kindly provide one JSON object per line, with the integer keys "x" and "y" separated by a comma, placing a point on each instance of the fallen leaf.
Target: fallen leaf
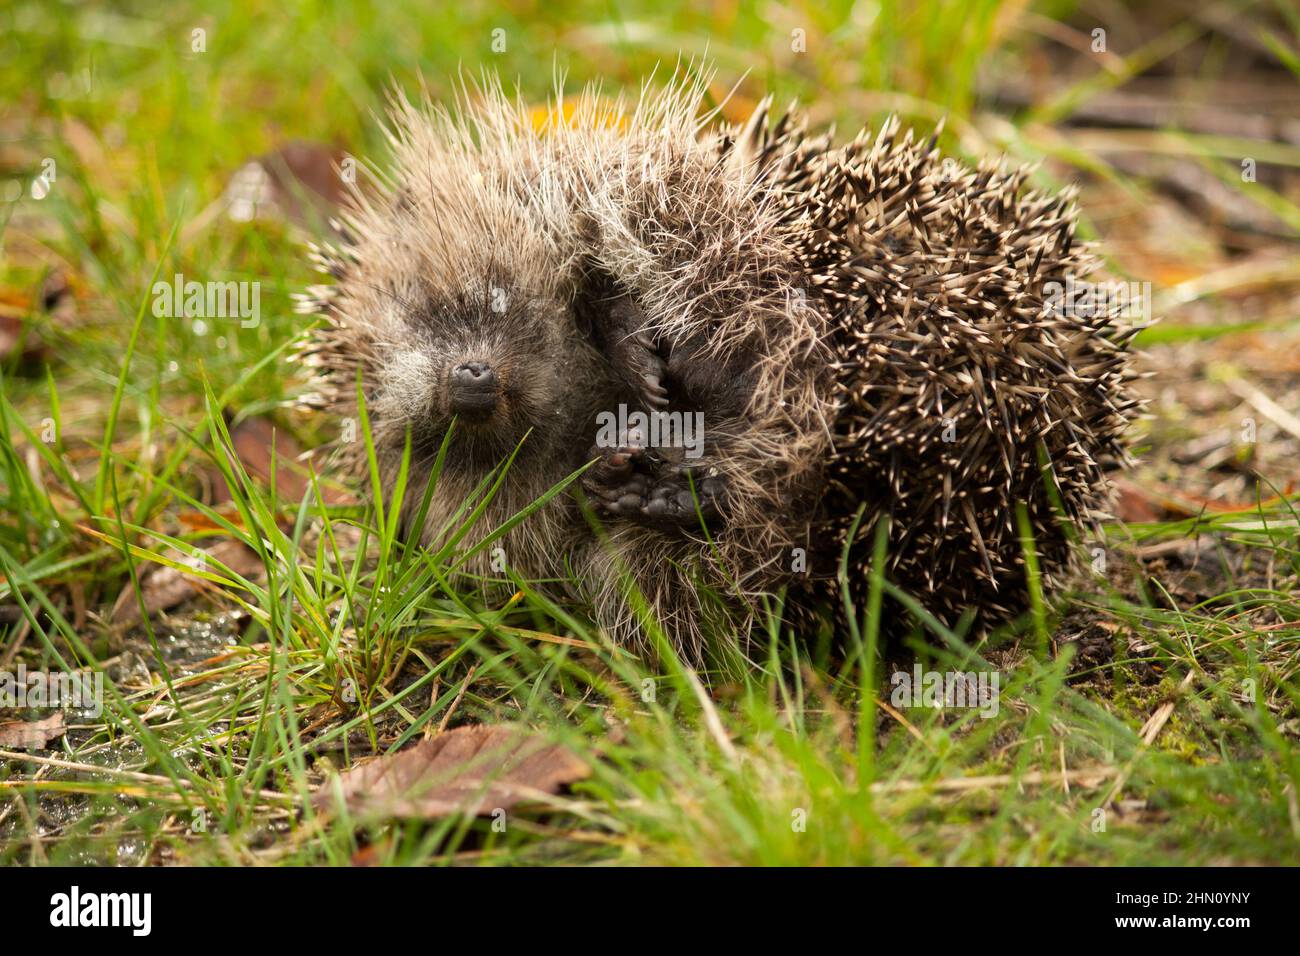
{"x": 301, "y": 182}
{"x": 194, "y": 520}
{"x": 19, "y": 341}
{"x": 32, "y": 734}
{"x": 473, "y": 769}
{"x": 14, "y": 301}
{"x": 163, "y": 587}
{"x": 1135, "y": 504}
{"x": 257, "y": 442}
{"x": 368, "y": 855}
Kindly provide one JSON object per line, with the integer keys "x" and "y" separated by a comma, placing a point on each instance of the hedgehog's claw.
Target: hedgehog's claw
{"x": 654, "y": 394}
{"x": 638, "y": 361}
{"x": 646, "y": 371}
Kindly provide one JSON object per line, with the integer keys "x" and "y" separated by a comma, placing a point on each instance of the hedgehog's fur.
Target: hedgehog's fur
{"x": 826, "y": 309}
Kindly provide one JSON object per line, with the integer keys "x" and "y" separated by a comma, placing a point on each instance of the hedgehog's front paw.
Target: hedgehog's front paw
{"x": 617, "y": 466}
{"x": 621, "y": 476}
{"x": 643, "y": 368}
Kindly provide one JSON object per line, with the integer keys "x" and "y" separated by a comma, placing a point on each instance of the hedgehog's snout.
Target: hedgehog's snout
{"x": 474, "y": 390}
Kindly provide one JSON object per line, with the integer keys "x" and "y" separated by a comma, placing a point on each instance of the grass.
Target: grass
{"x": 338, "y": 641}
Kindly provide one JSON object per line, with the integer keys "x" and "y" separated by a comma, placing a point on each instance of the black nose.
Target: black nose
{"x": 473, "y": 389}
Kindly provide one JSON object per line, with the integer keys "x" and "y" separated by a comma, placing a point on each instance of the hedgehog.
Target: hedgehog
{"x": 863, "y": 333}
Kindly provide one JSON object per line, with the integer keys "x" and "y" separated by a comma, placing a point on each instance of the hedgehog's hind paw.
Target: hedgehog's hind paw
{"x": 667, "y": 501}
{"x": 632, "y": 482}
{"x": 678, "y": 503}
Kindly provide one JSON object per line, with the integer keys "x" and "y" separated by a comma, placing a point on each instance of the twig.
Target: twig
{"x": 132, "y": 775}
{"x": 906, "y": 724}
{"x": 446, "y": 718}
{"x": 1270, "y": 409}
{"x": 1084, "y": 778}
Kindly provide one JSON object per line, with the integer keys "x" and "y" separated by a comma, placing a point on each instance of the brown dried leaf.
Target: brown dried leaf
{"x": 300, "y": 182}
{"x": 1136, "y": 504}
{"x": 257, "y": 441}
{"x": 164, "y": 587}
{"x": 474, "y": 769}
{"x": 32, "y": 734}
{"x": 18, "y": 340}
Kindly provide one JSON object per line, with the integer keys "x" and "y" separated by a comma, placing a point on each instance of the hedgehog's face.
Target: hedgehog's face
{"x": 454, "y": 301}
{"x": 489, "y": 358}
